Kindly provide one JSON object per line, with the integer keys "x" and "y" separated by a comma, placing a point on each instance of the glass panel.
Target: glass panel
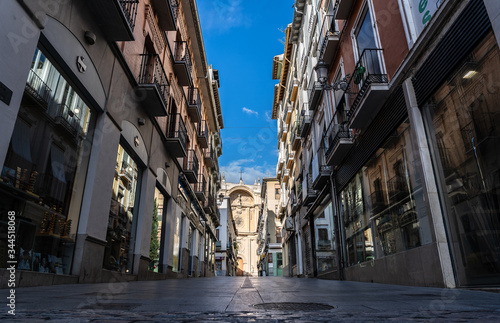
{"x": 157, "y": 233}
{"x": 119, "y": 251}
{"x": 383, "y": 208}
{"x": 42, "y": 179}
{"x": 465, "y": 119}
{"x": 325, "y": 244}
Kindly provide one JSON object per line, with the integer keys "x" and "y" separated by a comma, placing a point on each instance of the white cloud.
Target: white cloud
{"x": 251, "y": 171}
{"x": 222, "y": 14}
{"x": 250, "y": 111}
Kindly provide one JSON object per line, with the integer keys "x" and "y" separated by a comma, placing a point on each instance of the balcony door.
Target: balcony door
{"x": 364, "y": 40}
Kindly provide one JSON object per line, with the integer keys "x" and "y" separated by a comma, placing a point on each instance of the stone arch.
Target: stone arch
{"x": 241, "y": 191}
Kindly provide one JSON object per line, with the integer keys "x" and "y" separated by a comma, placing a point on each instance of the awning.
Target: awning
{"x": 21, "y": 140}
{"x": 57, "y": 163}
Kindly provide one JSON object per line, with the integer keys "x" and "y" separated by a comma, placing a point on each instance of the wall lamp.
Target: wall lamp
{"x": 322, "y": 73}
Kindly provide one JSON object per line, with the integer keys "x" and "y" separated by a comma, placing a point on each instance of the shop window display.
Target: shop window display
{"x": 382, "y": 208}
{"x": 43, "y": 175}
{"x": 122, "y": 219}
{"x": 464, "y": 115}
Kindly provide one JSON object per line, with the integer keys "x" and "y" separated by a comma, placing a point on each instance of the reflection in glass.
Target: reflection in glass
{"x": 122, "y": 220}
{"x": 382, "y": 207}
{"x": 465, "y": 118}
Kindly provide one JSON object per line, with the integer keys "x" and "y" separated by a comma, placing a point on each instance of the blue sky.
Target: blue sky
{"x": 241, "y": 38}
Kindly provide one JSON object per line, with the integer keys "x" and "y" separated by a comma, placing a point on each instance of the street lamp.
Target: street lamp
{"x": 322, "y": 73}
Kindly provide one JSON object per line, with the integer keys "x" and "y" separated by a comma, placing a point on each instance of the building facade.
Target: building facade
{"x": 245, "y": 204}
{"x": 395, "y": 177}
{"x": 270, "y": 251}
{"x": 110, "y": 141}
{"x": 226, "y": 252}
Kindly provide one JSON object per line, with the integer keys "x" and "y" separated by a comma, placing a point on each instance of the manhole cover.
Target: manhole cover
{"x": 294, "y": 306}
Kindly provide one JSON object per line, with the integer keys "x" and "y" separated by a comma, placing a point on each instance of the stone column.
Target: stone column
{"x": 429, "y": 183}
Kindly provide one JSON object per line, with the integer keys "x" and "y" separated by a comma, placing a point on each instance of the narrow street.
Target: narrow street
{"x": 235, "y": 299}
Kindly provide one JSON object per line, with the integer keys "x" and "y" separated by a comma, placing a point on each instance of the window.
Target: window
{"x": 122, "y": 221}
{"x": 39, "y": 178}
{"x": 366, "y": 44}
{"x": 385, "y": 203}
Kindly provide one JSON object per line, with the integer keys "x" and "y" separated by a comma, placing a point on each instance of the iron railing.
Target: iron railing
{"x": 177, "y": 128}
{"x": 304, "y": 120}
{"x": 68, "y": 118}
{"x": 152, "y": 72}
{"x": 203, "y": 129}
{"x": 191, "y": 163}
{"x": 327, "y": 29}
{"x": 38, "y": 89}
{"x": 367, "y": 71}
{"x": 398, "y": 188}
{"x": 201, "y": 186}
{"x": 193, "y": 98}
{"x": 129, "y": 8}
{"x": 181, "y": 54}
{"x": 209, "y": 153}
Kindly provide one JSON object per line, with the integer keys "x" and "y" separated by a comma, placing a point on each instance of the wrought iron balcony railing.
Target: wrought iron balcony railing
{"x": 37, "y": 88}
{"x": 68, "y": 119}
{"x": 367, "y": 72}
{"x": 177, "y": 129}
{"x": 183, "y": 64}
{"x": 329, "y": 38}
{"x": 129, "y": 8}
{"x": 152, "y": 72}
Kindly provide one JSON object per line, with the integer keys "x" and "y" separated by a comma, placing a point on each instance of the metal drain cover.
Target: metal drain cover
{"x": 294, "y": 306}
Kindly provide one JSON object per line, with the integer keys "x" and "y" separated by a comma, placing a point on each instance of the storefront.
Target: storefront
{"x": 463, "y": 118}
{"x": 383, "y": 211}
{"x": 45, "y": 168}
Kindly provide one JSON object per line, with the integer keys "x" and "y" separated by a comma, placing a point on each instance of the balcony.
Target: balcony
{"x": 304, "y": 122}
{"x": 286, "y": 175}
{"x": 315, "y": 91}
{"x": 290, "y": 159}
{"x": 329, "y": 39}
{"x": 208, "y": 157}
{"x": 398, "y": 188}
{"x": 209, "y": 205}
{"x": 193, "y": 103}
{"x": 343, "y": 8}
{"x": 202, "y": 134}
{"x": 38, "y": 90}
{"x": 182, "y": 63}
{"x": 167, "y": 11}
{"x": 176, "y": 136}
{"x": 284, "y": 132}
{"x": 320, "y": 170}
{"x": 340, "y": 140}
{"x": 153, "y": 85}
{"x": 308, "y": 193}
{"x": 190, "y": 166}
{"x": 67, "y": 120}
{"x": 295, "y": 133}
{"x": 288, "y": 114}
{"x": 115, "y": 17}
{"x": 378, "y": 202}
{"x": 200, "y": 188}
{"x": 367, "y": 90}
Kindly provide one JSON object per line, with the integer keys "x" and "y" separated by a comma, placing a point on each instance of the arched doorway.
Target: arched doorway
{"x": 239, "y": 270}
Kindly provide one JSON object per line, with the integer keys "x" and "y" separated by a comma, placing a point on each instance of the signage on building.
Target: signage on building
{"x": 422, "y": 11}
{"x": 80, "y": 64}
{"x": 289, "y": 224}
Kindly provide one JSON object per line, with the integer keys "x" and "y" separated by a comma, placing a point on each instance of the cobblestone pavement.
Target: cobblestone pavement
{"x": 256, "y": 299}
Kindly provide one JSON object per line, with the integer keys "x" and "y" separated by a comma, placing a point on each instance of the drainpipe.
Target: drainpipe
{"x": 336, "y": 220}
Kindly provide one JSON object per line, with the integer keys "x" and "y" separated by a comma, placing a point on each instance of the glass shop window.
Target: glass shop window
{"x": 122, "y": 221}
{"x": 383, "y": 207}
{"x": 44, "y": 172}
{"x": 465, "y": 118}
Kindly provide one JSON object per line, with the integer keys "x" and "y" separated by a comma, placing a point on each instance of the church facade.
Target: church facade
{"x": 245, "y": 201}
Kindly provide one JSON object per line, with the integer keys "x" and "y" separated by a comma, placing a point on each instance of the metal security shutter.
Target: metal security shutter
{"x": 388, "y": 119}
{"x": 464, "y": 34}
